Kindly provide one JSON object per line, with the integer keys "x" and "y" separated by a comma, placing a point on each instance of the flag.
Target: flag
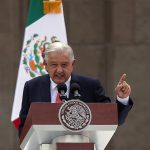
{"x": 45, "y": 19}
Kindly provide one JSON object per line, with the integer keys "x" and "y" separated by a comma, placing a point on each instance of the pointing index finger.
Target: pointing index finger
{"x": 122, "y": 79}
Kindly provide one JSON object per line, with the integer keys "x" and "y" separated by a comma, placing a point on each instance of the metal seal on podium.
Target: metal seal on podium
{"x": 75, "y": 115}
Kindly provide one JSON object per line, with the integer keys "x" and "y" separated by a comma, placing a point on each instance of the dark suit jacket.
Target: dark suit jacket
{"x": 38, "y": 90}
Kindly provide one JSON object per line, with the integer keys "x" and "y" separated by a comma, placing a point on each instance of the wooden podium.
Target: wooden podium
{"x": 43, "y": 130}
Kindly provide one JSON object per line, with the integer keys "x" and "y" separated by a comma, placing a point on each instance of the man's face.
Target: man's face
{"x": 59, "y": 66}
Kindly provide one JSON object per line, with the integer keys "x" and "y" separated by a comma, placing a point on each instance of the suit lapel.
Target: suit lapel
{"x": 46, "y": 93}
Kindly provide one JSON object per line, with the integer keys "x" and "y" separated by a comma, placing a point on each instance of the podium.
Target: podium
{"x": 43, "y": 130}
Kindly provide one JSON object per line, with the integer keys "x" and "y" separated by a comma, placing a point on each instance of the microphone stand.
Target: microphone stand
{"x": 63, "y": 97}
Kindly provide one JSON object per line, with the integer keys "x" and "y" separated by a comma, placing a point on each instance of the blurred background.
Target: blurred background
{"x": 109, "y": 38}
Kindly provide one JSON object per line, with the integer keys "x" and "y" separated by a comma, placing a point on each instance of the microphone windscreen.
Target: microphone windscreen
{"x": 62, "y": 87}
{"x": 74, "y": 87}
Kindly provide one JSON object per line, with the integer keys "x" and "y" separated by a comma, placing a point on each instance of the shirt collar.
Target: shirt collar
{"x": 54, "y": 85}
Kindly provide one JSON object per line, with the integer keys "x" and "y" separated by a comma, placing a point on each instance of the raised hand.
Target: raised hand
{"x": 123, "y": 89}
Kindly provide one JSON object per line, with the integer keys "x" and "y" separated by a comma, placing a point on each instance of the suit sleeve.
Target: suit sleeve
{"x": 122, "y": 109}
{"x": 24, "y": 108}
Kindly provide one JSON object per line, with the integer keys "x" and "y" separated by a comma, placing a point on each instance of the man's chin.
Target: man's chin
{"x": 59, "y": 81}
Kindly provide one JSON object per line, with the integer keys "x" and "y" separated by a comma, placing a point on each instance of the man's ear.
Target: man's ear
{"x": 45, "y": 64}
{"x": 73, "y": 62}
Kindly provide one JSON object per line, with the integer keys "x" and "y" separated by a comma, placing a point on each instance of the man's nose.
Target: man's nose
{"x": 59, "y": 69}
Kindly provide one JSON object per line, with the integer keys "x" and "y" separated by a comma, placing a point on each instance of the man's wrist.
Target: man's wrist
{"x": 124, "y": 101}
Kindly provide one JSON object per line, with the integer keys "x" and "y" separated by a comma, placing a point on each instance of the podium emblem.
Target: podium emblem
{"x": 75, "y": 115}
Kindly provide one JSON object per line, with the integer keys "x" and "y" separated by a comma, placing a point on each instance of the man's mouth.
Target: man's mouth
{"x": 59, "y": 75}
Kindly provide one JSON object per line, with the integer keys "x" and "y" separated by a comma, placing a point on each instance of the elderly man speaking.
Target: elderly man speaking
{"x": 60, "y": 62}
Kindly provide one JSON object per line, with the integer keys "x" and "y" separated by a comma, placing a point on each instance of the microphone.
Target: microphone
{"x": 75, "y": 89}
{"x": 62, "y": 89}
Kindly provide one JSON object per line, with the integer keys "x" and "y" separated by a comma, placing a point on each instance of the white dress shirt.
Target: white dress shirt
{"x": 53, "y": 88}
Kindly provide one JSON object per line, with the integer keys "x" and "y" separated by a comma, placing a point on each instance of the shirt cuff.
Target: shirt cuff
{"x": 124, "y": 101}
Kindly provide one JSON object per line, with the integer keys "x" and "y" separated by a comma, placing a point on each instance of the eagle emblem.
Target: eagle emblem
{"x": 75, "y": 115}
{"x": 33, "y": 56}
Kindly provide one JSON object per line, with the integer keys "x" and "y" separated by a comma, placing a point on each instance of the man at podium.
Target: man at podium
{"x": 60, "y": 62}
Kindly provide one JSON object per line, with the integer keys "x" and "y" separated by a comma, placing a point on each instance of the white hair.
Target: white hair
{"x": 59, "y": 47}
